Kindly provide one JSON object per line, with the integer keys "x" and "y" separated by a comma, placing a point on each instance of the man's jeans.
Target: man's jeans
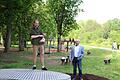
{"x": 78, "y": 63}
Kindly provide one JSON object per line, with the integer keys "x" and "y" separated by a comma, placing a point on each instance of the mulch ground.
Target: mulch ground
{"x": 89, "y": 77}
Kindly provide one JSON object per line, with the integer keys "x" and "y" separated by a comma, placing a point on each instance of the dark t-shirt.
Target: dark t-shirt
{"x": 36, "y": 31}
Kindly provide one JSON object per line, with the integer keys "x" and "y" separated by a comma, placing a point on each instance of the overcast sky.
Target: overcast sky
{"x": 100, "y": 10}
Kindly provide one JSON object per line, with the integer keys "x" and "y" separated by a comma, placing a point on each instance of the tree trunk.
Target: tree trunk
{"x": 21, "y": 40}
{"x": 47, "y": 41}
{"x": 50, "y": 46}
{"x": 8, "y": 33}
{"x": 58, "y": 45}
{"x": 8, "y": 39}
{"x": 67, "y": 45}
{"x": 25, "y": 44}
{"x": 21, "y": 43}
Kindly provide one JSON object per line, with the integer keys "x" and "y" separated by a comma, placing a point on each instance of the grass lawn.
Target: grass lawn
{"x": 92, "y": 64}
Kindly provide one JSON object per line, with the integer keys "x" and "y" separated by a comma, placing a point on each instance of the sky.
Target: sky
{"x": 99, "y": 10}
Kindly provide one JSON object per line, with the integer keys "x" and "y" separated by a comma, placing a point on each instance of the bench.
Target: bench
{"x": 107, "y": 61}
{"x": 88, "y": 52}
{"x": 65, "y": 60}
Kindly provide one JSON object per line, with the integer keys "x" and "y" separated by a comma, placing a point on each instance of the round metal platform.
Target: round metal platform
{"x": 28, "y": 74}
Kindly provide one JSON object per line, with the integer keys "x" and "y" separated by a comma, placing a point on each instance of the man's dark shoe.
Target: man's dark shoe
{"x": 44, "y": 68}
{"x": 34, "y": 68}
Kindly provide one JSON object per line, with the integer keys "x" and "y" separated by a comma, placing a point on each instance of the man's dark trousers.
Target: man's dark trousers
{"x": 77, "y": 62}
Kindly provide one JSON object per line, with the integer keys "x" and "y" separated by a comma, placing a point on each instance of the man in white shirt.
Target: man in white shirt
{"x": 76, "y": 55}
{"x": 114, "y": 45}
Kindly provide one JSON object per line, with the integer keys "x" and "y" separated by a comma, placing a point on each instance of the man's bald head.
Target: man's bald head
{"x": 77, "y": 41}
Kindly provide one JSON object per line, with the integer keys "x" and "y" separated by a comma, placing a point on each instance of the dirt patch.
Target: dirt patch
{"x": 53, "y": 57}
{"x": 29, "y": 57}
{"x": 89, "y": 77}
{"x": 52, "y": 62}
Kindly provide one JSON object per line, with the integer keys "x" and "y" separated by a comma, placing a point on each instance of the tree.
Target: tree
{"x": 88, "y": 31}
{"x": 22, "y": 21}
{"x": 111, "y": 25}
{"x": 64, "y": 12}
{"x": 11, "y": 10}
{"x": 8, "y": 8}
{"x": 46, "y": 20}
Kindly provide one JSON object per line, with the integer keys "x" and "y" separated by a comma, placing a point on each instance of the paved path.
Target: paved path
{"x": 109, "y": 49}
{"x": 28, "y": 74}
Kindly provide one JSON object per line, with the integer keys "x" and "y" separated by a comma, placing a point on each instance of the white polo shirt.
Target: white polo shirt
{"x": 76, "y": 49}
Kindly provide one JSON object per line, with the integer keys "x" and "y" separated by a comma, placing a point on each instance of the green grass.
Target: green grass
{"x": 92, "y": 64}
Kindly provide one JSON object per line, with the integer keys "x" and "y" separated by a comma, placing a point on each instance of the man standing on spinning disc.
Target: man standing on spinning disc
{"x": 38, "y": 41}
